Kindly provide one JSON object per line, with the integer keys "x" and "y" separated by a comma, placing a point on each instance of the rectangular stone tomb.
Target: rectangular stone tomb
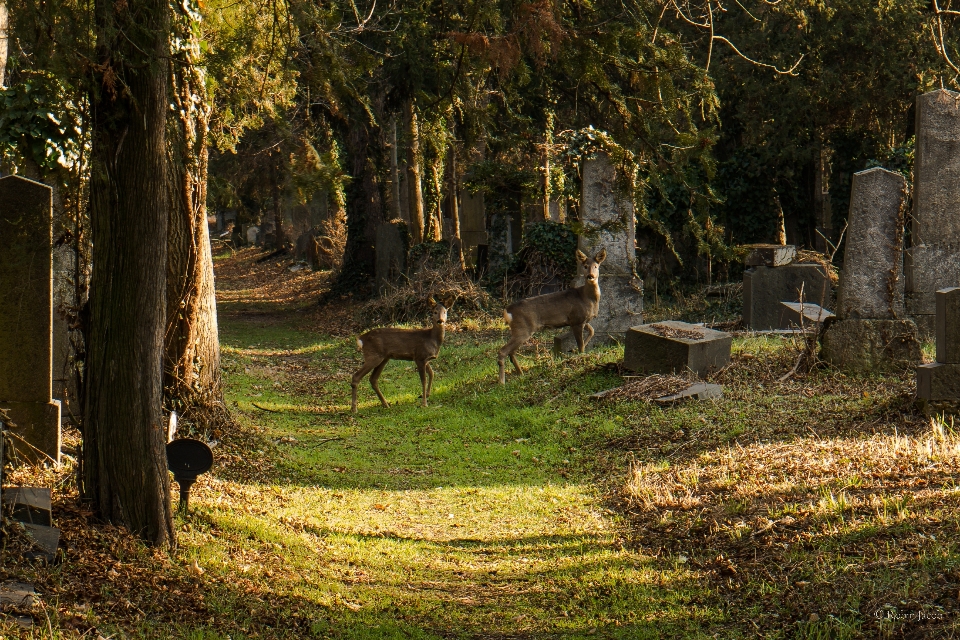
{"x": 802, "y": 314}
{"x": 865, "y": 345}
{"x": 938, "y": 387}
{"x": 770, "y": 255}
{"x": 764, "y": 288}
{"x": 674, "y": 347}
{"x": 948, "y": 325}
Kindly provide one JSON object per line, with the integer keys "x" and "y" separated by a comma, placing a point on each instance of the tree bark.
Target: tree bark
{"x": 364, "y": 210}
{"x": 413, "y": 169}
{"x": 456, "y": 242}
{"x": 394, "y": 172}
{"x": 192, "y": 381}
{"x": 124, "y": 457}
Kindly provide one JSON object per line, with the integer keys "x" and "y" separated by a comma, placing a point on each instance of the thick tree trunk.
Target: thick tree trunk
{"x": 456, "y": 242}
{"x": 124, "y": 457}
{"x": 364, "y": 211}
{"x": 279, "y": 235}
{"x": 192, "y": 381}
{"x": 413, "y": 169}
{"x": 394, "y": 172}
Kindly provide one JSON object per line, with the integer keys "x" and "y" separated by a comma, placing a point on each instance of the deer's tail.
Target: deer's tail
{"x": 507, "y": 317}
{"x": 359, "y": 344}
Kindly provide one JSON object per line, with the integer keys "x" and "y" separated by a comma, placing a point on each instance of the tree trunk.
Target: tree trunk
{"x": 394, "y": 172}
{"x": 364, "y": 212}
{"x": 192, "y": 346}
{"x": 4, "y": 41}
{"x": 277, "y": 204}
{"x": 456, "y": 242}
{"x": 124, "y": 457}
{"x": 413, "y": 169}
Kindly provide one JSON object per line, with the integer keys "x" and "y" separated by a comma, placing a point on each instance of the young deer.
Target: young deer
{"x": 573, "y": 308}
{"x": 420, "y": 345}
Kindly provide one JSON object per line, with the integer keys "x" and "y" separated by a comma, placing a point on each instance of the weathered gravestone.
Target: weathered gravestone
{"x": 675, "y": 347}
{"x": 938, "y": 383}
{"x": 26, "y": 317}
{"x": 871, "y": 332}
{"x": 607, "y": 215}
{"x": 764, "y": 288}
{"x": 391, "y": 261}
{"x": 933, "y": 260}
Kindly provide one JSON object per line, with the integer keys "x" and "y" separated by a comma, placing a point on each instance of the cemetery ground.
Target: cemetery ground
{"x": 821, "y": 506}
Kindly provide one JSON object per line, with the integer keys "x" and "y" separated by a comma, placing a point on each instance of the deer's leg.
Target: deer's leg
{"x": 357, "y": 377}
{"x": 429, "y": 379}
{"x": 577, "y": 331}
{"x": 422, "y": 369}
{"x": 589, "y": 328}
{"x": 516, "y": 341}
{"x": 375, "y": 380}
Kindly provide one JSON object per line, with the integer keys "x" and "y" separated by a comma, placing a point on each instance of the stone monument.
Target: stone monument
{"x": 26, "y": 317}
{"x": 872, "y": 332}
{"x": 938, "y": 383}
{"x": 609, "y": 222}
{"x": 932, "y": 262}
{"x": 676, "y": 347}
{"x": 772, "y": 278}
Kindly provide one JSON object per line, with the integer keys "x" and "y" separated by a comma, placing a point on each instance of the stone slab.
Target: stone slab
{"x": 26, "y": 291}
{"x": 933, "y": 262}
{"x": 938, "y": 381}
{"x": 37, "y": 423}
{"x": 770, "y": 255}
{"x": 867, "y": 346}
{"x": 674, "y": 347}
{"x": 948, "y": 325}
{"x": 699, "y": 391}
{"x": 44, "y": 538}
{"x": 802, "y": 314}
{"x": 872, "y": 283}
{"x": 17, "y": 594}
{"x": 764, "y": 288}
{"x": 29, "y": 504}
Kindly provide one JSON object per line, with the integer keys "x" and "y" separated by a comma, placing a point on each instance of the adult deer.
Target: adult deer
{"x": 573, "y": 308}
{"x": 420, "y": 345}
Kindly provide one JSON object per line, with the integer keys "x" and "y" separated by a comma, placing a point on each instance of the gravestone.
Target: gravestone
{"x": 609, "y": 222}
{"x": 871, "y": 332}
{"x": 473, "y": 225}
{"x": 675, "y": 347}
{"x": 26, "y": 318}
{"x": 933, "y": 260}
{"x": 391, "y": 260}
{"x": 938, "y": 383}
{"x": 252, "y": 233}
{"x": 803, "y": 315}
{"x": 764, "y": 288}
{"x": 770, "y": 255}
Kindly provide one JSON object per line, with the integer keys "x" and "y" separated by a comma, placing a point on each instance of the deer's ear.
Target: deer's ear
{"x": 600, "y": 257}
{"x": 581, "y": 256}
{"x": 448, "y": 301}
{"x": 432, "y": 302}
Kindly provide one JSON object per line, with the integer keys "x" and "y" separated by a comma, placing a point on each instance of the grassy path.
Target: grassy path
{"x": 479, "y": 516}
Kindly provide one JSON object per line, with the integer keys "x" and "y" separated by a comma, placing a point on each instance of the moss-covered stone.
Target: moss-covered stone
{"x": 866, "y": 345}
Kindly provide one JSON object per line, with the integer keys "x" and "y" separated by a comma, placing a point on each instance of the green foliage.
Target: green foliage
{"x": 39, "y": 120}
{"x": 555, "y": 245}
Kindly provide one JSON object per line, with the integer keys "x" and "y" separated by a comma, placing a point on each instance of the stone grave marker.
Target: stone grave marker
{"x": 806, "y": 315}
{"x": 938, "y": 383}
{"x": 609, "y": 223}
{"x": 26, "y": 318}
{"x": 391, "y": 259}
{"x": 764, "y": 288}
{"x": 674, "y": 347}
{"x": 933, "y": 260}
{"x": 770, "y": 255}
{"x": 872, "y": 332}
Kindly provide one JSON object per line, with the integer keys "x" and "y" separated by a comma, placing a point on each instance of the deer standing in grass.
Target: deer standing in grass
{"x": 573, "y": 308}
{"x": 420, "y": 345}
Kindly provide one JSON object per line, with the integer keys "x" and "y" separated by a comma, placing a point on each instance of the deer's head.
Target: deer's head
{"x": 439, "y": 312}
{"x": 589, "y": 268}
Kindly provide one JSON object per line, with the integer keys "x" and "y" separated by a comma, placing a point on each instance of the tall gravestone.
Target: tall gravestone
{"x": 26, "y": 317}
{"x": 871, "y": 332}
{"x": 933, "y": 260}
{"x": 607, "y": 216}
{"x": 938, "y": 383}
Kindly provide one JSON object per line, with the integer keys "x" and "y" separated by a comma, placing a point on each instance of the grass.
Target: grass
{"x": 819, "y": 507}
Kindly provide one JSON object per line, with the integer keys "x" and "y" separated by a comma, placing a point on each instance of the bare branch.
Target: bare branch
{"x": 791, "y": 71}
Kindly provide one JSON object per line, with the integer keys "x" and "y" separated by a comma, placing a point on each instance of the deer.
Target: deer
{"x": 573, "y": 308}
{"x": 379, "y": 346}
